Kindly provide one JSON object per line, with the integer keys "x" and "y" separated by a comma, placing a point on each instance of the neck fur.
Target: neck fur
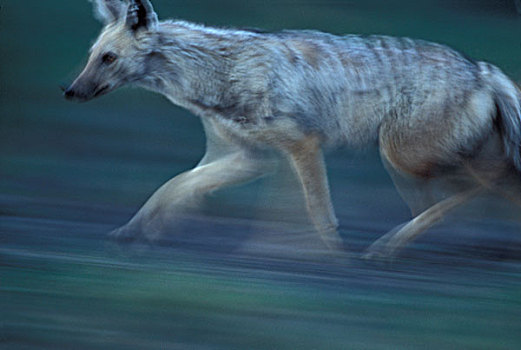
{"x": 191, "y": 63}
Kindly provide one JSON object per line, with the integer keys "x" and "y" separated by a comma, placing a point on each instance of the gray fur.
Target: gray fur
{"x": 427, "y": 106}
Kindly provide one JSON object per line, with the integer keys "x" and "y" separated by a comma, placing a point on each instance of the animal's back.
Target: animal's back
{"x": 424, "y": 102}
{"x": 346, "y": 86}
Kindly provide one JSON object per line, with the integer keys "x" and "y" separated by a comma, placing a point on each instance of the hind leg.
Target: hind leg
{"x": 485, "y": 176}
{"x": 392, "y": 242}
{"x": 504, "y": 182}
{"x": 417, "y": 192}
{"x": 429, "y": 198}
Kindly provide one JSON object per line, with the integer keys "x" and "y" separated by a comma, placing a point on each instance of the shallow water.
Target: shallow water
{"x": 235, "y": 277}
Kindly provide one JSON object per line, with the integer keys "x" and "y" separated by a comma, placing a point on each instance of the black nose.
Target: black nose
{"x": 69, "y": 93}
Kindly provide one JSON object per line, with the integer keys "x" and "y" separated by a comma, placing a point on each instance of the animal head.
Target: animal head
{"x": 120, "y": 53}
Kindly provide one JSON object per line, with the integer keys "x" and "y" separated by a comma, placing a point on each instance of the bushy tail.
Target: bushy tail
{"x": 507, "y": 97}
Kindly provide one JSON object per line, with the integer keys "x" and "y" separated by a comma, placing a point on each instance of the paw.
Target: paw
{"x": 386, "y": 247}
{"x": 378, "y": 254}
{"x": 124, "y": 234}
{"x": 144, "y": 232}
{"x": 382, "y": 250}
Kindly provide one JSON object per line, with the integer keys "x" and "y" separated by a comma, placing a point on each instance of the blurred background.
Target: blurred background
{"x": 235, "y": 277}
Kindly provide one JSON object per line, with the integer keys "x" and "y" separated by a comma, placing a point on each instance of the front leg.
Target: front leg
{"x": 186, "y": 190}
{"x": 308, "y": 162}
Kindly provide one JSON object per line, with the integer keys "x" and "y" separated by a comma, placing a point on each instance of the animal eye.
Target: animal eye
{"x": 109, "y": 58}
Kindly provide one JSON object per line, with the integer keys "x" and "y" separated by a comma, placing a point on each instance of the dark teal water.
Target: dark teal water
{"x": 234, "y": 278}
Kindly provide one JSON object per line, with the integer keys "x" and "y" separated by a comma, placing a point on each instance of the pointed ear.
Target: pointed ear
{"x": 108, "y": 11}
{"x": 141, "y": 15}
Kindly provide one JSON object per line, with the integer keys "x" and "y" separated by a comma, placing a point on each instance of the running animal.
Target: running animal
{"x": 436, "y": 116}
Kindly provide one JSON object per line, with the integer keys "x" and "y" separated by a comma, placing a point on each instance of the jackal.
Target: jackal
{"x": 434, "y": 114}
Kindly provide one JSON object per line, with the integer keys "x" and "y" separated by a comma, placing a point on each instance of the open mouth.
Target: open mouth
{"x": 104, "y": 89}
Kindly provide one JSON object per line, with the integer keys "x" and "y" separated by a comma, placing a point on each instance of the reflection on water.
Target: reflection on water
{"x": 234, "y": 278}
